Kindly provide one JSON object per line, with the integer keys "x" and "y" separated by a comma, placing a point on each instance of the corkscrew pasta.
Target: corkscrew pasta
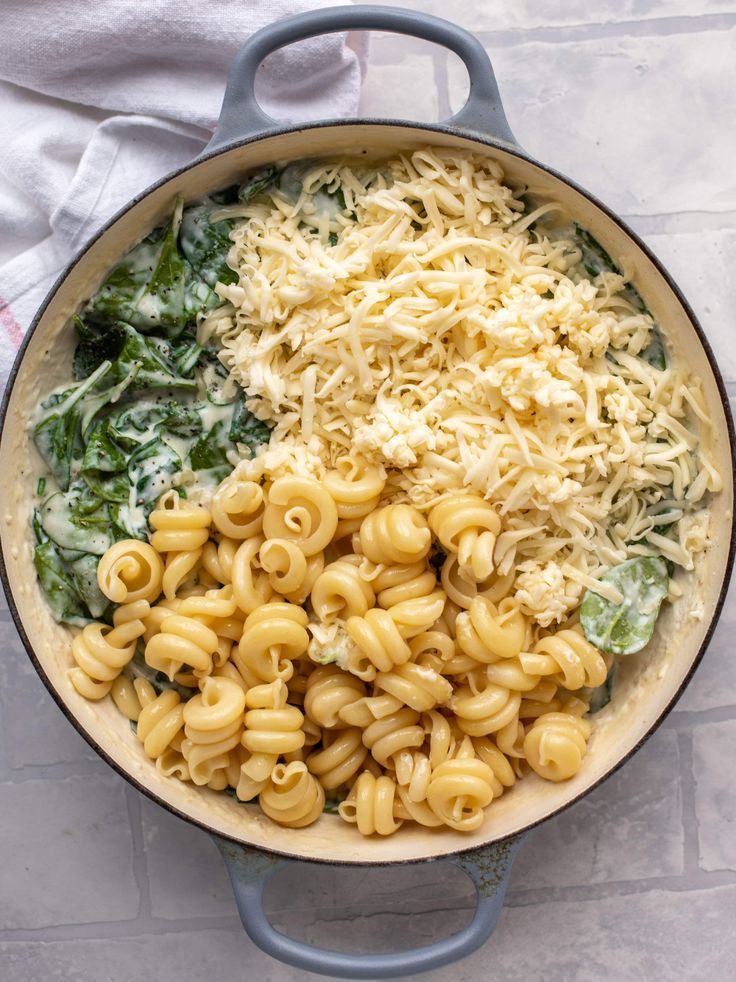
{"x": 375, "y": 687}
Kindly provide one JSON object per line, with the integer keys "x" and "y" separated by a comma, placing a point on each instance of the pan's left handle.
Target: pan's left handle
{"x": 250, "y": 869}
{"x": 242, "y": 118}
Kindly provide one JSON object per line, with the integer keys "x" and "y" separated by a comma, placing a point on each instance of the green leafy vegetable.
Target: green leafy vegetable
{"x": 626, "y": 627}
{"x": 246, "y": 429}
{"x": 655, "y": 353}
{"x": 258, "y": 183}
{"x": 148, "y": 402}
{"x": 601, "y": 696}
{"x": 206, "y": 245}
{"x": 57, "y": 585}
{"x": 58, "y": 432}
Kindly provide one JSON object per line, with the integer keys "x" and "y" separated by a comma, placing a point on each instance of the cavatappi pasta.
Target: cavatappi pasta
{"x": 375, "y": 688}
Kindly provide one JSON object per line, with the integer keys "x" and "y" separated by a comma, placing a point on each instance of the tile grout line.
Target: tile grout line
{"x": 591, "y": 893}
{"x": 691, "y": 854}
{"x": 624, "y": 29}
{"x": 140, "y": 862}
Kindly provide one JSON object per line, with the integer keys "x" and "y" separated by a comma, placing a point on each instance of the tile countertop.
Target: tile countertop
{"x": 638, "y": 881}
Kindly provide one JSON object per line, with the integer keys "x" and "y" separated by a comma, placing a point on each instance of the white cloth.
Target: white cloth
{"x": 100, "y": 98}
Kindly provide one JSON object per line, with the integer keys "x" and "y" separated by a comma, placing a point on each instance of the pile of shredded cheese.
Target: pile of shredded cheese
{"x": 417, "y": 313}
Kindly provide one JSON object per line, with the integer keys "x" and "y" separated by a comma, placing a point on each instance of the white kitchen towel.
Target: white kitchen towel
{"x": 100, "y": 99}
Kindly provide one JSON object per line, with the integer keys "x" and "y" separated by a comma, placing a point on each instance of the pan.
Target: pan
{"x": 253, "y": 848}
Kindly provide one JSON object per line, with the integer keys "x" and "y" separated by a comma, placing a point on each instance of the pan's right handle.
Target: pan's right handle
{"x": 242, "y": 118}
{"x": 488, "y": 867}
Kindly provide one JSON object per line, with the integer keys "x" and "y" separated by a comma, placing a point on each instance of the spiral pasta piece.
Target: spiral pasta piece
{"x": 181, "y": 641}
{"x": 271, "y": 726}
{"x": 417, "y": 686}
{"x": 125, "y": 697}
{"x": 379, "y": 644}
{"x": 555, "y": 745}
{"x": 503, "y": 773}
{"x": 460, "y": 789}
{"x": 487, "y": 633}
{"x": 213, "y": 721}
{"x": 413, "y": 617}
{"x": 367, "y": 709}
{"x": 101, "y": 652}
{"x": 462, "y": 589}
{"x": 237, "y": 509}
{"x": 340, "y": 591}
{"x": 467, "y": 525}
{"x": 340, "y": 758}
{"x": 273, "y": 636}
{"x": 395, "y": 534}
{"x": 329, "y": 690}
{"x": 389, "y": 736}
{"x": 569, "y": 658}
{"x": 396, "y": 584}
{"x": 293, "y": 797}
{"x": 370, "y": 805}
{"x": 285, "y": 564}
{"x": 484, "y": 709}
{"x": 302, "y": 510}
{"x": 355, "y": 486}
{"x": 436, "y": 649}
{"x": 130, "y": 570}
{"x": 180, "y": 531}
{"x": 217, "y": 560}
{"x": 251, "y": 585}
{"x": 160, "y": 724}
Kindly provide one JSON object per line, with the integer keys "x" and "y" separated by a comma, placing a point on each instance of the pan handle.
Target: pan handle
{"x": 250, "y": 869}
{"x": 241, "y": 118}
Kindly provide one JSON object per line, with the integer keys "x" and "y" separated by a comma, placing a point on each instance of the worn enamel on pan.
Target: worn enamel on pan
{"x": 648, "y": 684}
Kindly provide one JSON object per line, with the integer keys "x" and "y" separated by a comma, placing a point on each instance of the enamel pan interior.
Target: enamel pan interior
{"x": 648, "y": 683}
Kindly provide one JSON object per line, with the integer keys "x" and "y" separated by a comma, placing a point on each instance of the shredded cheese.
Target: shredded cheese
{"x": 444, "y": 336}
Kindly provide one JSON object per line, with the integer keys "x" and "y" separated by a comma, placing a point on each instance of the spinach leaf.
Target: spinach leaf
{"x": 84, "y": 576}
{"x": 72, "y": 529}
{"x": 596, "y": 260}
{"x": 245, "y": 428}
{"x": 601, "y": 696}
{"x": 206, "y": 245}
{"x": 57, "y": 585}
{"x": 148, "y": 417}
{"x": 152, "y": 469}
{"x": 626, "y": 627}
{"x": 147, "y": 360}
{"x": 595, "y": 257}
{"x": 98, "y": 343}
{"x": 102, "y": 452}
{"x": 209, "y": 452}
{"x": 147, "y": 288}
{"x": 58, "y": 433}
{"x": 655, "y": 353}
{"x": 258, "y": 182}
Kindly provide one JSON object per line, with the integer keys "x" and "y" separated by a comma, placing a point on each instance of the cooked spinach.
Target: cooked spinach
{"x": 245, "y": 428}
{"x": 655, "y": 353}
{"x": 626, "y": 627}
{"x": 168, "y": 278}
{"x": 596, "y": 260}
{"x": 258, "y": 183}
{"x": 601, "y": 695}
{"x": 147, "y": 403}
{"x": 206, "y": 244}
